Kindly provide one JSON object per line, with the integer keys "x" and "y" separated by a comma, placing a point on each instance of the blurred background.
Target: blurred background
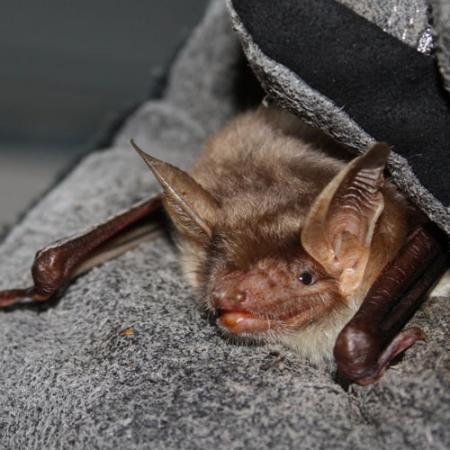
{"x": 69, "y": 68}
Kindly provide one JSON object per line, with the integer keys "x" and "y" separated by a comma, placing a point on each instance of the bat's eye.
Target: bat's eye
{"x": 306, "y": 278}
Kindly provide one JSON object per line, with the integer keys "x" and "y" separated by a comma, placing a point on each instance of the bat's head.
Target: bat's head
{"x": 279, "y": 275}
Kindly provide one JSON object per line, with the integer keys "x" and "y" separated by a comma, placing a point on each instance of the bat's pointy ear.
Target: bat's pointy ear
{"x": 339, "y": 227}
{"x": 192, "y": 209}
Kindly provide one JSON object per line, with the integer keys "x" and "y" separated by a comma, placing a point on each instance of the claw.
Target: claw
{"x": 399, "y": 344}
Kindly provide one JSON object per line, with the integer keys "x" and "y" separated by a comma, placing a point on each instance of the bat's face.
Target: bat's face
{"x": 272, "y": 278}
{"x": 273, "y": 294}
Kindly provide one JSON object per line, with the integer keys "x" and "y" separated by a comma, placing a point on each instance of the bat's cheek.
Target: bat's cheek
{"x": 243, "y": 323}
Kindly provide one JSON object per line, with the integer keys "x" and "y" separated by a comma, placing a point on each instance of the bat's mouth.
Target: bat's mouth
{"x": 240, "y": 322}
{"x": 245, "y": 322}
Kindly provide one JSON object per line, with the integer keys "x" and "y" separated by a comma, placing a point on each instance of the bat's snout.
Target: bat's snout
{"x": 228, "y": 299}
{"x": 232, "y": 316}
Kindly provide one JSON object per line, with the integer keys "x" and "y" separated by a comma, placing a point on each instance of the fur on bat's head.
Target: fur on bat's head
{"x": 284, "y": 277}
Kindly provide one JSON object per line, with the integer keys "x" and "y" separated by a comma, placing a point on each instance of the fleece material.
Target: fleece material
{"x": 125, "y": 358}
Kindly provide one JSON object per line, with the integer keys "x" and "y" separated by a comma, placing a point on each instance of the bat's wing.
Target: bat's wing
{"x": 373, "y": 338}
{"x": 58, "y": 263}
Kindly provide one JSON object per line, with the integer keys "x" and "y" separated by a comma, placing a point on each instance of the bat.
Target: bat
{"x": 282, "y": 240}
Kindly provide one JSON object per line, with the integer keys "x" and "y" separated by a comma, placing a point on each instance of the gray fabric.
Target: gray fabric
{"x": 71, "y": 380}
{"x": 407, "y": 21}
{"x": 289, "y": 91}
{"x": 441, "y": 20}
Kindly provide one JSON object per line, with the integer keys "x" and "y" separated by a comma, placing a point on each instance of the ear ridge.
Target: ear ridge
{"x": 186, "y": 201}
{"x": 339, "y": 227}
{"x": 359, "y": 192}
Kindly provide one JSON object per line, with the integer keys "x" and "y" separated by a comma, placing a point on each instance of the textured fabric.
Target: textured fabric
{"x": 388, "y": 88}
{"x": 348, "y": 82}
{"x": 441, "y": 17}
{"x": 71, "y": 378}
{"x": 407, "y": 21}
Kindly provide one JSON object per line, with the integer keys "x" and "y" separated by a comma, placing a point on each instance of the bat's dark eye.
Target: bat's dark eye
{"x": 306, "y": 278}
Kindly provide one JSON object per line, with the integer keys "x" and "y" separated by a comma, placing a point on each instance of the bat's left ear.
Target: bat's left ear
{"x": 339, "y": 227}
{"x": 193, "y": 210}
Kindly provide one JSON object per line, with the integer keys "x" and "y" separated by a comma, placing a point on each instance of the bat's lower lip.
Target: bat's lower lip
{"x": 239, "y": 322}
{"x": 245, "y": 322}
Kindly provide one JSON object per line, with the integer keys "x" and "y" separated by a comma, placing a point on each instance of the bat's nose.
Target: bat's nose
{"x": 228, "y": 299}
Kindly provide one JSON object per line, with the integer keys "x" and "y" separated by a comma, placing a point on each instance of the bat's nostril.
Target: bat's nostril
{"x": 240, "y": 296}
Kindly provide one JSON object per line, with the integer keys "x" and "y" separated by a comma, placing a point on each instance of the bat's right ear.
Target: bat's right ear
{"x": 339, "y": 227}
{"x": 193, "y": 210}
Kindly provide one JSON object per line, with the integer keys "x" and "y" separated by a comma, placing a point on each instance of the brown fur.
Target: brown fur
{"x": 262, "y": 173}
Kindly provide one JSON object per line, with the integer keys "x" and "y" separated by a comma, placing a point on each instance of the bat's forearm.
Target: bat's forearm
{"x": 55, "y": 265}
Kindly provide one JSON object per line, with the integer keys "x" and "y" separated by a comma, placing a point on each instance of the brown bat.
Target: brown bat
{"x": 282, "y": 241}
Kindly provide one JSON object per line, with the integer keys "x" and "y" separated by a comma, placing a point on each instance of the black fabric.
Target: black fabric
{"x": 387, "y": 87}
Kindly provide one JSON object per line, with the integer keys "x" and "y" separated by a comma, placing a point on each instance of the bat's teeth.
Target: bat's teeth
{"x": 213, "y": 316}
